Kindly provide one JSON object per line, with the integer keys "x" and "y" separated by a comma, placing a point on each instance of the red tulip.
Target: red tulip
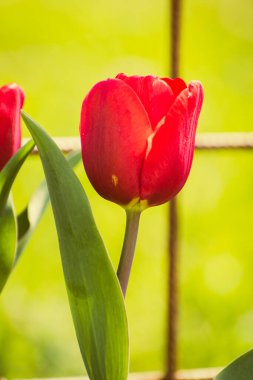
{"x": 138, "y": 135}
{"x": 11, "y": 101}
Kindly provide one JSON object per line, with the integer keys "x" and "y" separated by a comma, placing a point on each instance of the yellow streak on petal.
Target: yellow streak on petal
{"x": 115, "y": 180}
{"x": 133, "y": 204}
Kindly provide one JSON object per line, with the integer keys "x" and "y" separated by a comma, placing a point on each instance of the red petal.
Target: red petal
{"x": 177, "y": 85}
{"x": 114, "y": 130}
{"x": 11, "y": 101}
{"x": 169, "y": 158}
{"x": 154, "y": 93}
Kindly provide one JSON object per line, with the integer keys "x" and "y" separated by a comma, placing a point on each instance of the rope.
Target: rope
{"x": 229, "y": 140}
{"x": 204, "y": 141}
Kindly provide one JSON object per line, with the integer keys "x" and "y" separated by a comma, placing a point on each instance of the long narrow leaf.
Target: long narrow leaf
{"x": 30, "y": 217}
{"x": 10, "y": 170}
{"x": 95, "y": 297}
{"x": 27, "y": 221}
{"x": 8, "y": 242}
{"x": 240, "y": 369}
{"x": 8, "y": 230}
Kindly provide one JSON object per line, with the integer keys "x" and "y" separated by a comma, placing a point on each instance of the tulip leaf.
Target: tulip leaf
{"x": 95, "y": 297}
{"x": 240, "y": 369}
{"x": 27, "y": 222}
{"x": 8, "y": 235}
{"x": 10, "y": 170}
{"x": 8, "y": 230}
{"x": 30, "y": 217}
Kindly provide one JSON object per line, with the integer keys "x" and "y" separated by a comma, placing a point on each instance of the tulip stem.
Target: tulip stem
{"x": 127, "y": 254}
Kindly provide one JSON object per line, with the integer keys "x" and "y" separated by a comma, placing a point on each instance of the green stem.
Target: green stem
{"x": 127, "y": 254}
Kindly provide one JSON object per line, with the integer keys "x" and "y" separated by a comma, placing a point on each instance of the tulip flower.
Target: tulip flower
{"x": 11, "y": 101}
{"x": 137, "y": 136}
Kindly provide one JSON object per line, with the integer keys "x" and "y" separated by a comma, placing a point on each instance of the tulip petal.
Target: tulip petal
{"x": 177, "y": 85}
{"x": 169, "y": 157}
{"x": 114, "y": 130}
{"x": 11, "y": 101}
{"x": 154, "y": 93}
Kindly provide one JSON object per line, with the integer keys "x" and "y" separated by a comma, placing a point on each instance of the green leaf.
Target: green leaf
{"x": 30, "y": 217}
{"x": 8, "y": 236}
{"x": 27, "y": 222}
{"x": 8, "y": 230}
{"x": 10, "y": 170}
{"x": 95, "y": 297}
{"x": 240, "y": 369}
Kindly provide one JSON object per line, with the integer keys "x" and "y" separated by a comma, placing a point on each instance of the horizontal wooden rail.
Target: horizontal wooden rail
{"x": 228, "y": 140}
{"x": 192, "y": 374}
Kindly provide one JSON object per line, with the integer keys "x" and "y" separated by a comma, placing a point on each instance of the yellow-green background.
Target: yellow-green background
{"x": 56, "y": 50}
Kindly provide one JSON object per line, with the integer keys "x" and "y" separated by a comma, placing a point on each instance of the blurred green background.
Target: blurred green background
{"x": 56, "y": 50}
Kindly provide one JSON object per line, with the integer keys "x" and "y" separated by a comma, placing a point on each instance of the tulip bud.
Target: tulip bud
{"x": 137, "y": 136}
{"x": 11, "y": 101}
